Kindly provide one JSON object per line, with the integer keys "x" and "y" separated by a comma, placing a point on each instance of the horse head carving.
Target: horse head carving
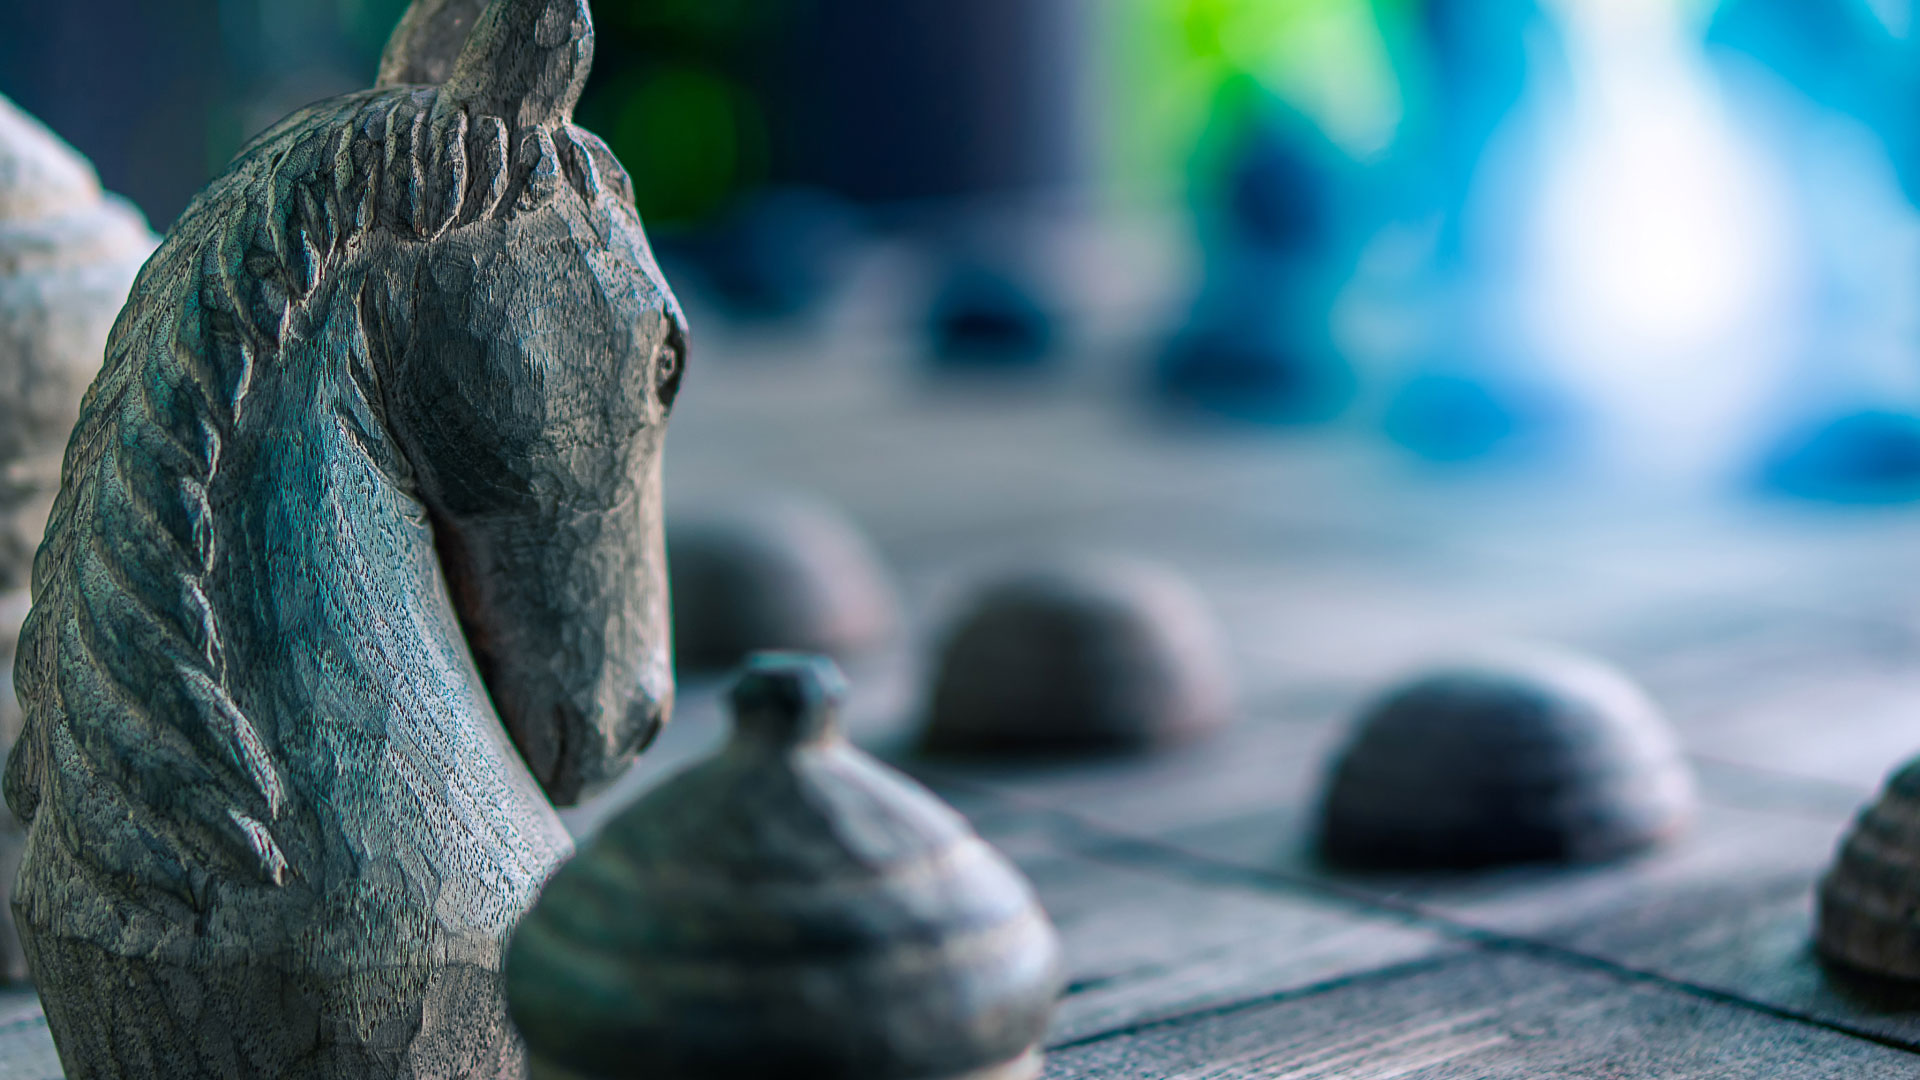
{"x": 356, "y": 568}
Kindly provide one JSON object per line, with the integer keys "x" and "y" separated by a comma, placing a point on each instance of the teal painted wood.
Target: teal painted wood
{"x": 356, "y": 567}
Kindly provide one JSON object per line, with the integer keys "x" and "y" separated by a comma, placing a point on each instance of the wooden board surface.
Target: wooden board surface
{"x": 1203, "y": 940}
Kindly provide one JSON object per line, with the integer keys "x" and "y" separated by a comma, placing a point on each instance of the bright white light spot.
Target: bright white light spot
{"x": 1656, "y": 230}
{"x": 1661, "y": 279}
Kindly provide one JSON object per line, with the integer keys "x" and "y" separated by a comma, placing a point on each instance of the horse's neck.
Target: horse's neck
{"x": 348, "y": 645}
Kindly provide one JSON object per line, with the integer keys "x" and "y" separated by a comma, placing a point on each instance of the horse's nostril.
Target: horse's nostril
{"x": 645, "y": 720}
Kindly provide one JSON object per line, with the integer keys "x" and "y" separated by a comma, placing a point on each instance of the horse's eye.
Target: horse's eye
{"x": 668, "y": 363}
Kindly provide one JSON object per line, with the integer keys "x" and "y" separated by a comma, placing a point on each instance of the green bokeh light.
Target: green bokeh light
{"x": 690, "y": 137}
{"x": 1185, "y": 68}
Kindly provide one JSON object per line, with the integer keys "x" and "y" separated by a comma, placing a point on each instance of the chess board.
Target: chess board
{"x": 1202, "y": 938}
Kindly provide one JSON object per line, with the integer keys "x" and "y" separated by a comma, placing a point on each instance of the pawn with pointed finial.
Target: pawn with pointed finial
{"x": 790, "y": 907}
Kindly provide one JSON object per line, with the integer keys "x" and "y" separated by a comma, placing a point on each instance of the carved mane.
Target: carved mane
{"x": 253, "y": 266}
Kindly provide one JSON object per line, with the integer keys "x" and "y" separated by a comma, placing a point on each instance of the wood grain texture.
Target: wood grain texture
{"x": 1143, "y": 945}
{"x": 428, "y": 40}
{"x": 356, "y": 564}
{"x": 1483, "y": 1017}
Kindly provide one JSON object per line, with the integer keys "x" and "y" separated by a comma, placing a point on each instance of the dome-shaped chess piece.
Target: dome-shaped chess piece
{"x": 788, "y": 908}
{"x": 1869, "y": 901}
{"x": 778, "y": 253}
{"x": 1088, "y": 656}
{"x": 1870, "y": 456}
{"x": 785, "y": 573}
{"x": 68, "y": 254}
{"x": 991, "y": 315}
{"x": 1518, "y": 757}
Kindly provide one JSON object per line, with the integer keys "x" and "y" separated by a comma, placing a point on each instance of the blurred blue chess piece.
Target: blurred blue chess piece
{"x": 1466, "y": 68}
{"x": 1281, "y": 229}
{"x": 1442, "y": 415}
{"x": 1845, "y": 60}
{"x": 1841, "y": 55}
{"x": 988, "y": 315}
{"x": 776, "y": 254}
{"x": 1867, "y": 457}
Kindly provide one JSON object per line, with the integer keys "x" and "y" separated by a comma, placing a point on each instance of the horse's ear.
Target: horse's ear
{"x": 526, "y": 61}
{"x": 427, "y": 42}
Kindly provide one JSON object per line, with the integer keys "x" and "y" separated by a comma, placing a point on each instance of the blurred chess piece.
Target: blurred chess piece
{"x": 1841, "y": 55}
{"x": 990, "y": 315}
{"x": 1478, "y": 409}
{"x": 1281, "y": 229}
{"x": 1868, "y": 897}
{"x": 774, "y": 254}
{"x": 779, "y": 573}
{"x": 68, "y": 254}
{"x": 1869, "y": 456}
{"x": 1473, "y": 73}
{"x": 1467, "y": 67}
{"x": 1523, "y": 756}
{"x": 789, "y": 907}
{"x": 1089, "y": 656}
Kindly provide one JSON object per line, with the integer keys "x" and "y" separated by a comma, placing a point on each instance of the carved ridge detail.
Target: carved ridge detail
{"x": 405, "y": 161}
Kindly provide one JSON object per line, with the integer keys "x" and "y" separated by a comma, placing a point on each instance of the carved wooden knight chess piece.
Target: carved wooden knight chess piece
{"x": 356, "y": 564}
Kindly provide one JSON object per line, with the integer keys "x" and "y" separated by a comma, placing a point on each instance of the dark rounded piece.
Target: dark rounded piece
{"x": 780, "y": 253}
{"x": 788, "y": 908}
{"x": 1287, "y": 187}
{"x": 779, "y": 574}
{"x": 1257, "y": 347}
{"x": 1869, "y": 901}
{"x": 988, "y": 316}
{"x": 1524, "y": 757}
{"x": 1099, "y": 655}
{"x": 1871, "y": 456}
{"x": 1459, "y": 416}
